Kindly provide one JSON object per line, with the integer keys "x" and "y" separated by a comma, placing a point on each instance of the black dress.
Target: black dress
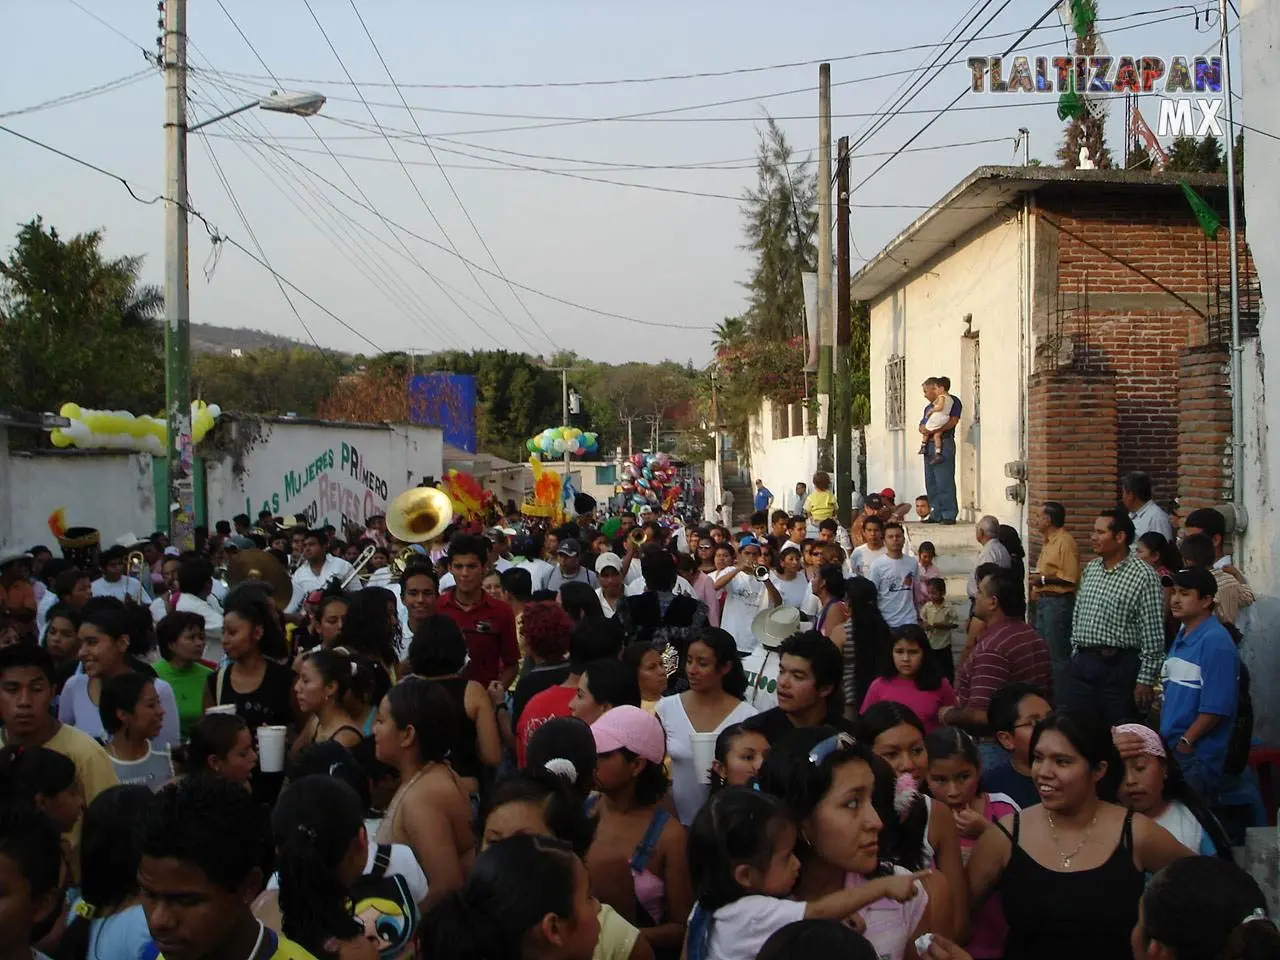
{"x": 271, "y": 704}
{"x": 462, "y": 753}
{"x": 1053, "y": 915}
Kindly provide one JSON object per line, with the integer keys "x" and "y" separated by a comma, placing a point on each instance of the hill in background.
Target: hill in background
{"x": 207, "y": 338}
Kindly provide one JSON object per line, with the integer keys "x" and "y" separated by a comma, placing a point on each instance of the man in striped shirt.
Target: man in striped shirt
{"x": 1117, "y": 630}
{"x": 1007, "y": 651}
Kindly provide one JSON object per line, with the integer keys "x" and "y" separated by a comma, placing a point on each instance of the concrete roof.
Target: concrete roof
{"x": 982, "y": 195}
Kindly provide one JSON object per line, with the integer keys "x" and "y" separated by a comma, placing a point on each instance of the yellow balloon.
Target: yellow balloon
{"x": 70, "y": 410}
{"x": 59, "y": 439}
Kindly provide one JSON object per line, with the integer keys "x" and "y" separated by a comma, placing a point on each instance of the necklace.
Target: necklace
{"x": 394, "y": 806}
{"x": 1066, "y": 858}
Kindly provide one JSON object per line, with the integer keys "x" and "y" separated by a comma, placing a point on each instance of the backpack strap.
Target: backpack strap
{"x": 218, "y": 684}
{"x": 644, "y": 849}
{"x": 381, "y": 861}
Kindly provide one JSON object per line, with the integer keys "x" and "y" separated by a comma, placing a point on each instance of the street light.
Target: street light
{"x": 298, "y": 104}
{"x": 180, "y": 497}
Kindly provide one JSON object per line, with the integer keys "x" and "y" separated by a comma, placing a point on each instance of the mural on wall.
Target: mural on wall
{"x": 335, "y": 484}
{"x": 447, "y": 401}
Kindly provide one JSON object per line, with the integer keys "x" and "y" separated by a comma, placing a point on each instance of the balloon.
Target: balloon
{"x": 120, "y": 429}
{"x": 573, "y": 447}
{"x": 531, "y": 445}
{"x": 663, "y": 459}
{"x": 643, "y": 483}
{"x": 629, "y": 470}
{"x": 638, "y": 459}
{"x": 648, "y": 473}
{"x": 558, "y": 445}
{"x": 628, "y": 487}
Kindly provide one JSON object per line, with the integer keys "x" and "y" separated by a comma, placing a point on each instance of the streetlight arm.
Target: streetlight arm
{"x": 222, "y": 116}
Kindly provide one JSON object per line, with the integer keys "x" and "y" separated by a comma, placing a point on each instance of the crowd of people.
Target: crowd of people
{"x": 625, "y": 737}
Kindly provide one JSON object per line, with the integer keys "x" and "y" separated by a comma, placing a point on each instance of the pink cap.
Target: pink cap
{"x": 633, "y": 729}
{"x": 1151, "y": 742}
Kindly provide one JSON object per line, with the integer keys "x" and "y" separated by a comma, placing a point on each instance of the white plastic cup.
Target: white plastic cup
{"x": 228, "y": 708}
{"x": 271, "y": 749}
{"x": 704, "y": 754}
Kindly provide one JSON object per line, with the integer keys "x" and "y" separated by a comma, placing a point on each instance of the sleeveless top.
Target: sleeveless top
{"x": 1054, "y": 915}
{"x": 650, "y": 889}
{"x": 462, "y": 753}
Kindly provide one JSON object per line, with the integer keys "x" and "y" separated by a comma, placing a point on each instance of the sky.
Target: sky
{"x": 614, "y": 270}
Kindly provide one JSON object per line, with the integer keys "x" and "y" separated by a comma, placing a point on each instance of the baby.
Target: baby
{"x": 938, "y": 418}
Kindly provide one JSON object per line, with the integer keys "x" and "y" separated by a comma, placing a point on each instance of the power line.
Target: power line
{"x": 452, "y": 189}
{"x": 151, "y": 57}
{"x": 368, "y": 203}
{"x": 210, "y": 228}
{"x": 88, "y": 93}
{"x": 363, "y": 260}
{"x": 695, "y": 75}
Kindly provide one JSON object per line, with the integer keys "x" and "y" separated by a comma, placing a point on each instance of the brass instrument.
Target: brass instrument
{"x": 295, "y": 562}
{"x": 762, "y": 573}
{"x": 419, "y": 514}
{"x": 361, "y": 561}
{"x": 636, "y": 538}
{"x": 260, "y": 565}
{"x": 401, "y": 563}
{"x": 135, "y": 565}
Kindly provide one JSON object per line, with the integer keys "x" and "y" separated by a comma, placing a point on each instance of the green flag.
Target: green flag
{"x": 1205, "y": 216}
{"x": 1083, "y": 13}
{"x": 1070, "y": 105}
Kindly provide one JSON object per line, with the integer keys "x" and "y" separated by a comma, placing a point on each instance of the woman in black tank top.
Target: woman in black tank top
{"x": 438, "y": 652}
{"x": 1070, "y": 869}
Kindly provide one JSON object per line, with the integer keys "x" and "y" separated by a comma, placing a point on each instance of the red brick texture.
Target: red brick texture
{"x": 1139, "y": 334}
{"x": 1074, "y": 452}
{"x": 1204, "y": 438}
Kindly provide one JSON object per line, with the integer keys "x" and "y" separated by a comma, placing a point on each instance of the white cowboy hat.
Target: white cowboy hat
{"x": 130, "y": 540}
{"x": 8, "y": 558}
{"x": 774, "y": 625}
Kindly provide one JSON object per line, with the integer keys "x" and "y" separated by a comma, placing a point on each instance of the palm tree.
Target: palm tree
{"x": 730, "y": 332}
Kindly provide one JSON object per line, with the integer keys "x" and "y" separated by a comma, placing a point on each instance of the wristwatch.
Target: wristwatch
{"x": 1190, "y": 745}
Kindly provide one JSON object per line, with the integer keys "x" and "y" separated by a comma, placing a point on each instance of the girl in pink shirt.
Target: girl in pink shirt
{"x": 926, "y": 554}
{"x": 914, "y": 680}
{"x": 955, "y": 771}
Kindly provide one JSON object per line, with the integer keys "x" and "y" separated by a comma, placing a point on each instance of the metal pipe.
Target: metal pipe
{"x": 1237, "y": 366}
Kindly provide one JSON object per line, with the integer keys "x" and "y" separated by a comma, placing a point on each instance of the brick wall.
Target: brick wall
{"x": 1131, "y": 327}
{"x": 1074, "y": 450}
{"x": 1204, "y": 438}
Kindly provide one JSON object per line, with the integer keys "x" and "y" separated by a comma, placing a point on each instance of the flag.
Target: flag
{"x": 1208, "y": 220}
{"x": 1070, "y": 106}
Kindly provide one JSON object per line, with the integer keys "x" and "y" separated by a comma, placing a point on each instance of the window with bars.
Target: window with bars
{"x": 895, "y": 393}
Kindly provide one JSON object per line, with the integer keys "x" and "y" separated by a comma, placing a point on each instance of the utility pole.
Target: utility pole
{"x": 179, "y": 496}
{"x": 841, "y": 393}
{"x": 826, "y": 330}
{"x": 564, "y": 418}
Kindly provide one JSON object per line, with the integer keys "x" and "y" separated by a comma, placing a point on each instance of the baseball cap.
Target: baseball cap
{"x": 888, "y": 494}
{"x": 633, "y": 729}
{"x": 569, "y": 548}
{"x": 1192, "y": 578}
{"x": 608, "y": 561}
{"x": 875, "y": 500}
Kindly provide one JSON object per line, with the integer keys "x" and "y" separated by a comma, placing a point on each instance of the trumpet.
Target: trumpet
{"x": 135, "y": 565}
{"x": 361, "y": 562}
{"x": 761, "y": 573}
{"x": 636, "y": 537}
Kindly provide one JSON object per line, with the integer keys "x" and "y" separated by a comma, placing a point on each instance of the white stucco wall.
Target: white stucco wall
{"x": 108, "y": 490}
{"x": 923, "y": 320}
{"x": 326, "y": 470}
{"x": 781, "y": 464}
{"x": 1260, "y": 545}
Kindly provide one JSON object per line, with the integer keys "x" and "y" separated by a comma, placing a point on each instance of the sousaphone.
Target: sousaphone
{"x": 419, "y": 514}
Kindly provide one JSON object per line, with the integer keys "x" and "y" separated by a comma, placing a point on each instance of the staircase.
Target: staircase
{"x": 738, "y": 482}
{"x": 958, "y": 551}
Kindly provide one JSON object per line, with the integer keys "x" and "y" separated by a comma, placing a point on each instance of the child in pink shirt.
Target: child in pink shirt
{"x": 954, "y": 774}
{"x": 915, "y": 679}
{"x": 928, "y": 570}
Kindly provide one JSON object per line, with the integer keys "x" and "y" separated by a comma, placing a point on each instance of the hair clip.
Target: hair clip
{"x": 1258, "y": 914}
{"x": 563, "y": 768}
{"x": 905, "y": 794}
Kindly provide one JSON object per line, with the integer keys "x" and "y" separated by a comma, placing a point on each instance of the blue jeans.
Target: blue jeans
{"x": 940, "y": 479}
{"x": 1053, "y": 623}
{"x": 1103, "y": 684}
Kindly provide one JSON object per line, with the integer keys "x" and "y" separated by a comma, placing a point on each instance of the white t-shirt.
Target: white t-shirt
{"x": 305, "y": 581}
{"x": 76, "y": 709}
{"x": 863, "y": 557}
{"x": 761, "y": 667}
{"x": 539, "y": 570}
{"x": 1182, "y": 823}
{"x": 126, "y": 588}
{"x": 794, "y": 592}
{"x": 402, "y": 864}
{"x": 744, "y": 596}
{"x": 895, "y": 588}
{"x": 741, "y": 928}
{"x": 687, "y": 786}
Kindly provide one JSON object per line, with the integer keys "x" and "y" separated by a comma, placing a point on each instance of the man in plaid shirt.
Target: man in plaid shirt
{"x": 1117, "y": 631}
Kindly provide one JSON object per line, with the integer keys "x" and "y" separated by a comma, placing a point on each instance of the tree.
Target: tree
{"x": 1189, "y": 155}
{"x": 267, "y": 381}
{"x": 782, "y": 218}
{"x": 76, "y": 326}
{"x": 1139, "y": 158}
{"x": 1086, "y": 129}
{"x": 729, "y": 333}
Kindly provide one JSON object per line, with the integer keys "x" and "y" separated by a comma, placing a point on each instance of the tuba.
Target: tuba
{"x": 135, "y": 565}
{"x": 419, "y": 514}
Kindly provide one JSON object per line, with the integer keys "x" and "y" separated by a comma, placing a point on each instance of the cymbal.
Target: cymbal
{"x": 260, "y": 565}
